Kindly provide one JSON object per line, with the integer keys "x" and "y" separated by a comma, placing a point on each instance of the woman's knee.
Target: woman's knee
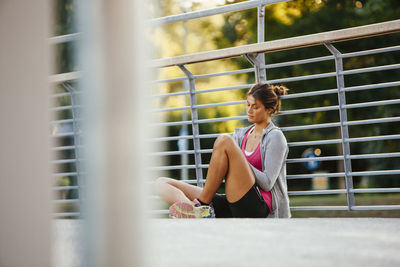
{"x": 224, "y": 140}
{"x": 160, "y": 182}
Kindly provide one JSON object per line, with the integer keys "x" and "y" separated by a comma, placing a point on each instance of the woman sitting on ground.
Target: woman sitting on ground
{"x": 252, "y": 164}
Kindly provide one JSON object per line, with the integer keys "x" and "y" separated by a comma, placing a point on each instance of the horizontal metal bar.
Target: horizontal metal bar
{"x": 172, "y": 94}
{"x": 210, "y": 75}
{"x": 298, "y": 62}
{"x": 62, "y": 134}
{"x": 319, "y": 208}
{"x": 203, "y": 106}
{"x": 302, "y": 78}
{"x": 371, "y": 173}
{"x": 372, "y": 121}
{"x": 185, "y": 152}
{"x": 313, "y": 143}
{"x": 373, "y": 138}
{"x": 336, "y": 141}
{"x": 66, "y": 214}
{"x": 175, "y": 167}
{"x": 177, "y": 79}
{"x": 375, "y": 156}
{"x": 373, "y": 103}
{"x": 361, "y": 156}
{"x": 62, "y": 148}
{"x": 298, "y": 111}
{"x": 370, "y": 69}
{"x": 313, "y": 175}
{"x": 173, "y": 138}
{"x": 371, "y": 52}
{"x": 283, "y": 44}
{"x": 213, "y": 11}
{"x": 317, "y": 192}
{"x": 175, "y": 123}
{"x": 346, "y": 89}
{"x": 62, "y": 201}
{"x": 236, "y": 87}
{"x": 371, "y": 86}
{"x": 292, "y": 144}
{"x": 376, "y": 190}
{"x": 296, "y": 95}
{"x": 313, "y": 93}
{"x": 62, "y": 121}
{"x": 326, "y": 58}
{"x": 221, "y": 119}
{"x": 380, "y": 207}
{"x": 60, "y": 95}
{"x": 65, "y": 77}
{"x": 61, "y": 174}
{"x": 172, "y": 109}
{"x": 65, "y": 38}
{"x": 297, "y": 160}
{"x": 193, "y": 181}
{"x": 311, "y": 126}
{"x": 61, "y": 108}
{"x": 308, "y": 110}
{"x": 63, "y": 161}
{"x": 341, "y": 174}
{"x": 337, "y": 124}
{"x": 62, "y": 188}
{"x": 231, "y": 103}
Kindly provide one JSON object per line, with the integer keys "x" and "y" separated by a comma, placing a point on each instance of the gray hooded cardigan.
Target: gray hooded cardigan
{"x": 274, "y": 152}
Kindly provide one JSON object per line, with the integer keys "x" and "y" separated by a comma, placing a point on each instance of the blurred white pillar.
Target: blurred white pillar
{"x": 112, "y": 59}
{"x": 25, "y": 177}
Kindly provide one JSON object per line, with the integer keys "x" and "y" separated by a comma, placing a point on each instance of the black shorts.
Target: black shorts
{"x": 251, "y": 205}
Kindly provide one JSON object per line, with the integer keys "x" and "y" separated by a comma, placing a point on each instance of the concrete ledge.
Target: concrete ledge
{"x": 260, "y": 242}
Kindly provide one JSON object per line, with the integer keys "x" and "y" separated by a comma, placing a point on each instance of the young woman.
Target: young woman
{"x": 252, "y": 164}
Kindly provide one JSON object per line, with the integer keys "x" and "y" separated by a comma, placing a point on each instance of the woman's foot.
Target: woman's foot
{"x": 191, "y": 210}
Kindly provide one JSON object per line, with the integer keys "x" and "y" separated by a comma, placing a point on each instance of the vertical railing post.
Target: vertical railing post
{"x": 258, "y": 61}
{"x": 343, "y": 124}
{"x": 195, "y": 125}
{"x": 77, "y": 137}
{"x": 260, "y": 39}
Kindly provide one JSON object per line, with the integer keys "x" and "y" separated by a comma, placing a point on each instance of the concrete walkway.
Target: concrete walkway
{"x": 258, "y": 242}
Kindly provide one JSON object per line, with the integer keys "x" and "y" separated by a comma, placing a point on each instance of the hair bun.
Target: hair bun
{"x": 280, "y": 90}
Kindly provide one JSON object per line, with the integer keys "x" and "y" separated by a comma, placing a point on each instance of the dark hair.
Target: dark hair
{"x": 269, "y": 95}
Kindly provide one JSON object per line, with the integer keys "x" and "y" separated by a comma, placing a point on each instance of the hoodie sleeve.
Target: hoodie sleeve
{"x": 236, "y": 137}
{"x": 276, "y": 151}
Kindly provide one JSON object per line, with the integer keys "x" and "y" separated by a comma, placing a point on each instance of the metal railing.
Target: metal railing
{"x": 67, "y": 140}
{"x": 259, "y": 49}
{"x": 255, "y": 54}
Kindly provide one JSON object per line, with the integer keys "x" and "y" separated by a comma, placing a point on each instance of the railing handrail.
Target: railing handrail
{"x": 282, "y": 44}
{"x": 213, "y": 11}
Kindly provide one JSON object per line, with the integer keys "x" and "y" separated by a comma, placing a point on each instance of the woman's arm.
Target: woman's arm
{"x": 275, "y": 154}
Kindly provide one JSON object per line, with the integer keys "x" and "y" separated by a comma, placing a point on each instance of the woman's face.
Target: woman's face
{"x": 256, "y": 112}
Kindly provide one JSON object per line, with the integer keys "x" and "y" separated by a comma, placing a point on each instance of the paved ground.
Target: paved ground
{"x": 258, "y": 242}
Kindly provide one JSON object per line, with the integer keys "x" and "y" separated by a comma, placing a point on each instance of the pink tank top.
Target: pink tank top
{"x": 255, "y": 160}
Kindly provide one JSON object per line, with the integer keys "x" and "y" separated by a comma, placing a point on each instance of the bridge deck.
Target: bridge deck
{"x": 258, "y": 242}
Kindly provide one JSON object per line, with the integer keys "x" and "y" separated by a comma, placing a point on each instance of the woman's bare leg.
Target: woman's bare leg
{"x": 227, "y": 161}
{"x": 171, "y": 190}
